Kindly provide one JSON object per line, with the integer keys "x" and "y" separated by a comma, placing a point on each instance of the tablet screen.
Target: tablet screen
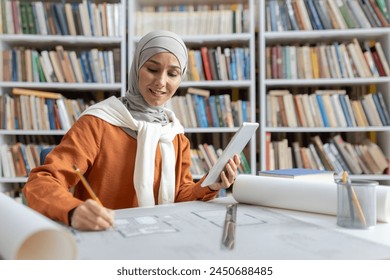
{"x": 235, "y": 146}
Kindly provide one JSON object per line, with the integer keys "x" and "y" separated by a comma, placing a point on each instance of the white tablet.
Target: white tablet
{"x": 235, "y": 146}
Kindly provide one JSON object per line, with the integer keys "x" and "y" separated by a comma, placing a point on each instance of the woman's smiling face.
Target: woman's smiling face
{"x": 159, "y": 78}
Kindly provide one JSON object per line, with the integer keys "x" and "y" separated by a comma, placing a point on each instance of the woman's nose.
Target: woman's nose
{"x": 160, "y": 80}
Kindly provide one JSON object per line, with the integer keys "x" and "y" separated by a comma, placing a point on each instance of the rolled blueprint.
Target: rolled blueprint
{"x": 26, "y": 234}
{"x": 317, "y": 196}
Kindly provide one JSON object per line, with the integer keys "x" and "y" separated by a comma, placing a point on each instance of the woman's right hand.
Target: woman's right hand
{"x": 92, "y": 216}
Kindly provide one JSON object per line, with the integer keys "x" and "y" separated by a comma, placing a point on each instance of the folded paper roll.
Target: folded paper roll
{"x": 317, "y": 196}
{"x": 26, "y": 234}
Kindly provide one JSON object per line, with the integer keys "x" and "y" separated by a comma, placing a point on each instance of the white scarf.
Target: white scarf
{"x": 149, "y": 135}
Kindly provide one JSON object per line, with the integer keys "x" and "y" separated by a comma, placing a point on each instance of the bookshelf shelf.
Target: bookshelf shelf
{"x": 61, "y": 39}
{"x": 358, "y": 87}
{"x": 345, "y": 34}
{"x": 243, "y": 39}
{"x": 324, "y": 81}
{"x": 64, "y": 86}
{"x": 31, "y": 132}
{"x": 217, "y": 84}
{"x": 13, "y": 180}
{"x": 209, "y": 39}
{"x": 114, "y": 71}
{"x": 211, "y": 130}
{"x": 327, "y": 129}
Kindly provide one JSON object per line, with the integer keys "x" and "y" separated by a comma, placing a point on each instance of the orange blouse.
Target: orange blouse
{"x": 106, "y": 156}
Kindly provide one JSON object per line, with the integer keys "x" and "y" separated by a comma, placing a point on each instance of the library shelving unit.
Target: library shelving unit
{"x": 204, "y": 24}
{"x": 112, "y": 11}
{"x": 281, "y": 37}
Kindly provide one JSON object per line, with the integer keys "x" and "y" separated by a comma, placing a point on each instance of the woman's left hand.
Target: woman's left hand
{"x": 228, "y": 175}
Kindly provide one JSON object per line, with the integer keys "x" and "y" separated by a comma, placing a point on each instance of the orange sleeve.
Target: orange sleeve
{"x": 48, "y": 187}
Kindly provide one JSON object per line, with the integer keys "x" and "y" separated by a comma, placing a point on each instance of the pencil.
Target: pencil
{"x": 86, "y": 185}
{"x": 356, "y": 203}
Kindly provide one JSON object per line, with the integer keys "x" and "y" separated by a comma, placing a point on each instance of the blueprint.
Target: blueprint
{"x": 193, "y": 230}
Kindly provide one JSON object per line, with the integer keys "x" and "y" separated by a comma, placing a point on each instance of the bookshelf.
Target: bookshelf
{"x": 202, "y": 26}
{"x": 101, "y": 30}
{"x": 355, "y": 84}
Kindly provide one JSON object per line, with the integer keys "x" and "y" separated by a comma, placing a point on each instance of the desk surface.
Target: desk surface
{"x": 193, "y": 230}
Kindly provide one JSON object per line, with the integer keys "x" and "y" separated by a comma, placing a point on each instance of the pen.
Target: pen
{"x": 86, "y": 185}
{"x": 355, "y": 200}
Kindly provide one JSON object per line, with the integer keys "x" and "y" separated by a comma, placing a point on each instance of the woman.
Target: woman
{"x": 131, "y": 150}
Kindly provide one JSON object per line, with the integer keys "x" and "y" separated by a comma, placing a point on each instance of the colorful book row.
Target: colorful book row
{"x": 326, "y": 108}
{"x": 218, "y": 64}
{"x": 194, "y": 19}
{"x": 17, "y": 160}
{"x": 285, "y": 15}
{"x": 58, "y": 65}
{"x": 338, "y": 60}
{"x": 30, "y": 112}
{"x": 84, "y": 18}
{"x": 194, "y": 110}
{"x": 203, "y": 158}
{"x": 365, "y": 157}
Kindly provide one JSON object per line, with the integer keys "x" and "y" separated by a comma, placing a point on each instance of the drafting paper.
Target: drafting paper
{"x": 26, "y": 234}
{"x": 317, "y": 196}
{"x": 194, "y": 230}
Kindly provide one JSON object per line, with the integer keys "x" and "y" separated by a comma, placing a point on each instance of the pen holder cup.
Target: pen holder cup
{"x": 356, "y": 204}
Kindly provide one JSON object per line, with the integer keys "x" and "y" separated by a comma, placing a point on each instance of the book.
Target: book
{"x": 377, "y": 154}
{"x": 371, "y": 62}
{"x": 70, "y": 19}
{"x": 381, "y": 104}
{"x": 382, "y": 18}
{"x": 299, "y": 174}
{"x": 203, "y": 92}
{"x": 56, "y": 66}
{"x": 213, "y": 108}
{"x": 346, "y": 111}
{"x": 338, "y": 141}
{"x": 324, "y": 156}
{"x": 206, "y": 63}
{"x": 370, "y": 110}
{"x": 76, "y": 66}
{"x": 340, "y": 116}
{"x": 334, "y": 11}
{"x": 367, "y": 158}
{"x": 304, "y": 15}
{"x": 18, "y": 161}
{"x": 322, "y": 13}
{"x": 191, "y": 110}
{"x": 65, "y": 63}
{"x": 346, "y": 13}
{"x": 377, "y": 61}
{"x": 48, "y": 67}
{"x": 382, "y": 57}
{"x": 38, "y": 93}
{"x": 369, "y": 13}
{"x": 192, "y": 73}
